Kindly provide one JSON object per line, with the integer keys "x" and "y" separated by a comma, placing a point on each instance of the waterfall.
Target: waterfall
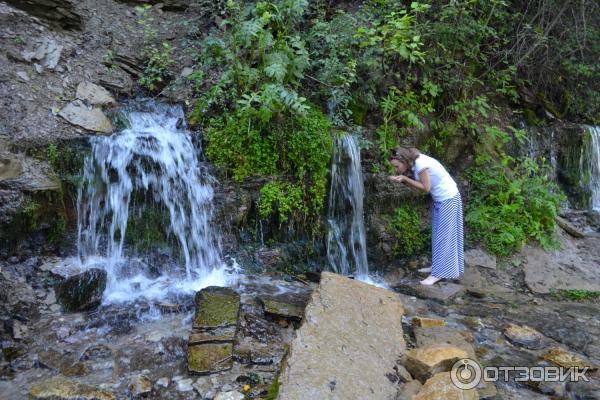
{"x": 155, "y": 163}
{"x": 590, "y": 166}
{"x": 346, "y": 240}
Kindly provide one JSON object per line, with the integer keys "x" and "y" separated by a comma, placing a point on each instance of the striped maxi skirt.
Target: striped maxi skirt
{"x": 447, "y": 238}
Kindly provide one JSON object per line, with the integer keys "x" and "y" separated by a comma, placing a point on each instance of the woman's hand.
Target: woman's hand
{"x": 398, "y": 178}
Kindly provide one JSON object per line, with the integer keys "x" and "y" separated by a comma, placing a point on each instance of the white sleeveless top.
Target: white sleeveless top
{"x": 443, "y": 186}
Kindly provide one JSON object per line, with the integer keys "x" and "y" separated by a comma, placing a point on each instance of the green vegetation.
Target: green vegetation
{"x": 577, "y": 295}
{"x": 409, "y": 238}
{"x": 513, "y": 199}
{"x": 273, "y": 79}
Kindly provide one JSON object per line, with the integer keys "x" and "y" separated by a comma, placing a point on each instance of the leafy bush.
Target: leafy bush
{"x": 157, "y": 67}
{"x": 512, "y": 201}
{"x": 409, "y": 238}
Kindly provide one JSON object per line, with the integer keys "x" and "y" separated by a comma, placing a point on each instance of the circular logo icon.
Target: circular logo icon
{"x": 465, "y": 374}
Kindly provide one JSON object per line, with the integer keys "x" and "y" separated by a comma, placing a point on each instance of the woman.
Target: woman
{"x": 427, "y": 174}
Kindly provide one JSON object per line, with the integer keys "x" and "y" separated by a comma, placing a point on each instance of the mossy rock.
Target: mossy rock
{"x": 82, "y": 291}
{"x": 58, "y": 388}
{"x": 216, "y": 307}
{"x": 210, "y": 357}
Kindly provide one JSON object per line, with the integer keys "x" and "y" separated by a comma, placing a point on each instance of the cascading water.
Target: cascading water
{"x": 346, "y": 240}
{"x": 590, "y": 165}
{"x": 153, "y": 159}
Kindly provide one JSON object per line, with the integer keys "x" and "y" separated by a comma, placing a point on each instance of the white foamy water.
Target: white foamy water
{"x": 155, "y": 160}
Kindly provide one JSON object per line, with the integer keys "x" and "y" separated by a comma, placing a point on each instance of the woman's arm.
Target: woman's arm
{"x": 424, "y": 185}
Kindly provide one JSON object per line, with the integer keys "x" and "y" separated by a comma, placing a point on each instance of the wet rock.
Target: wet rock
{"x": 523, "y": 336}
{"x": 350, "y": 339}
{"x": 58, "y": 388}
{"x": 210, "y": 357}
{"x": 94, "y": 94}
{"x": 422, "y": 322}
{"x": 184, "y": 385}
{"x": 232, "y": 395}
{"x": 443, "y": 292}
{"x": 479, "y": 258}
{"x": 210, "y": 348}
{"x": 440, "y": 387}
{"x": 567, "y": 359}
{"x": 216, "y": 307}
{"x": 424, "y": 362}
{"x": 92, "y": 119}
{"x": 284, "y": 306}
{"x": 139, "y": 385}
{"x": 83, "y": 291}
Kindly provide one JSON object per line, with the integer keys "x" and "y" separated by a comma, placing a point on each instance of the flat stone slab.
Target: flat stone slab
{"x": 284, "y": 306}
{"x": 571, "y": 268}
{"x": 92, "y": 119}
{"x": 58, "y": 388}
{"x": 216, "y": 307}
{"x": 210, "y": 357}
{"x": 350, "y": 339}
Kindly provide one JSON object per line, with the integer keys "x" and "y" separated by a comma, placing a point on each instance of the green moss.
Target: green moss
{"x": 210, "y": 357}
{"x": 273, "y": 391}
{"x": 405, "y": 226}
{"x": 216, "y": 306}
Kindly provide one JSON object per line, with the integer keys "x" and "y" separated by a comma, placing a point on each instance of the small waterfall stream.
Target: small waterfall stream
{"x": 590, "y": 161}
{"x": 346, "y": 240}
{"x": 155, "y": 159}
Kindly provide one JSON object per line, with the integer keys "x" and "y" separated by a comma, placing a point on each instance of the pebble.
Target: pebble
{"x": 164, "y": 382}
{"x": 185, "y": 385}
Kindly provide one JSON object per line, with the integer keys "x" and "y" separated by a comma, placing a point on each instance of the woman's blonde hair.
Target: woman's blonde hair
{"x": 405, "y": 155}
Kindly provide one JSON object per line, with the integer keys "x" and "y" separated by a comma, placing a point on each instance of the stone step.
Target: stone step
{"x": 210, "y": 346}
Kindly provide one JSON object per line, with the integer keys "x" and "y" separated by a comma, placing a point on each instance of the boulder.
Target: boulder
{"x": 58, "y": 388}
{"x": 440, "y": 387}
{"x": 94, "y": 94}
{"x": 92, "y": 119}
{"x": 424, "y": 362}
{"x": 347, "y": 345}
{"x": 82, "y": 291}
{"x": 479, "y": 258}
{"x": 523, "y": 336}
